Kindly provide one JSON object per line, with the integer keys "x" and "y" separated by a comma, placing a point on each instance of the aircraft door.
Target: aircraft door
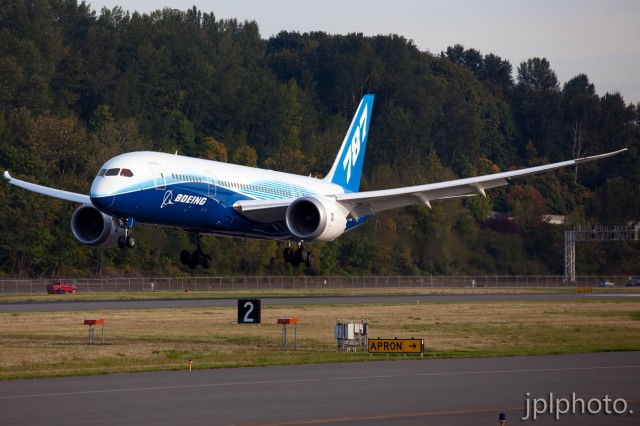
{"x": 211, "y": 183}
{"x": 158, "y": 176}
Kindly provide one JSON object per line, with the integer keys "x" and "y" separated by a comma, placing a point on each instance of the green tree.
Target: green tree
{"x": 582, "y": 109}
{"x": 211, "y": 149}
{"x": 245, "y": 155}
{"x": 528, "y": 207}
{"x": 537, "y": 99}
{"x": 78, "y": 88}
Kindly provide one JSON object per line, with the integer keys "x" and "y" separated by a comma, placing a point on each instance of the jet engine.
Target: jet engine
{"x": 92, "y": 227}
{"x": 316, "y": 218}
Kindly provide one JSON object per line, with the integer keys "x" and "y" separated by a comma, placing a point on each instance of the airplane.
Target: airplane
{"x": 208, "y": 197}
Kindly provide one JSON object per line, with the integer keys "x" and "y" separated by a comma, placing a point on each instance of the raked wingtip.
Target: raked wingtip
{"x": 600, "y": 156}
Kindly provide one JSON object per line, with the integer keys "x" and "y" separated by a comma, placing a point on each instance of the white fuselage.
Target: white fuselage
{"x": 196, "y": 194}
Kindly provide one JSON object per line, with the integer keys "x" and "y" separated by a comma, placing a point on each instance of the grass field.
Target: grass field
{"x": 54, "y": 343}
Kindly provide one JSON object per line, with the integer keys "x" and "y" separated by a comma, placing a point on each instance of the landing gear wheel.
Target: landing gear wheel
{"x": 288, "y": 254}
{"x": 130, "y": 242}
{"x": 122, "y": 242}
{"x": 193, "y": 261}
{"x": 310, "y": 260}
{"x": 185, "y": 256}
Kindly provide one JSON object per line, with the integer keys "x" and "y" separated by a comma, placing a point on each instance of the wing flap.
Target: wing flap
{"x": 263, "y": 210}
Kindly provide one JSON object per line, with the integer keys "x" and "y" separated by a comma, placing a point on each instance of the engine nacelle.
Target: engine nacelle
{"x": 316, "y": 218}
{"x": 92, "y": 227}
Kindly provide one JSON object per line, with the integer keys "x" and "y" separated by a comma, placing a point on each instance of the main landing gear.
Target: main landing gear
{"x": 197, "y": 257}
{"x": 301, "y": 255}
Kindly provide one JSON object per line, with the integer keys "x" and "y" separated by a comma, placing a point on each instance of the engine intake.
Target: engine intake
{"x": 316, "y": 219}
{"x": 92, "y": 227}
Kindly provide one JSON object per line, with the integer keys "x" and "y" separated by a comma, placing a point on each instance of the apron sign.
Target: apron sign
{"x": 396, "y": 346}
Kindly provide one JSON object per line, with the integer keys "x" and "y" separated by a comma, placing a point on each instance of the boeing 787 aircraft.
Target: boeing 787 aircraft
{"x": 209, "y": 197}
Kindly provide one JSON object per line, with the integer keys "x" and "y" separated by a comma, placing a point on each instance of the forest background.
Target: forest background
{"x": 78, "y": 87}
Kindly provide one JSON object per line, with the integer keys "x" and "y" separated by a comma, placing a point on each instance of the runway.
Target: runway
{"x": 422, "y": 391}
{"x": 103, "y": 305}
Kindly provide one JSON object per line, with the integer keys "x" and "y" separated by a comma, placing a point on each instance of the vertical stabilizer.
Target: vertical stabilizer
{"x": 347, "y": 167}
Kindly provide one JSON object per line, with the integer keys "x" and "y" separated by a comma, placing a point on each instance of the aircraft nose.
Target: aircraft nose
{"x": 102, "y": 193}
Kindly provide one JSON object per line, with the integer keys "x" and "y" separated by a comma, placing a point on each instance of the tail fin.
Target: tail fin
{"x": 347, "y": 167}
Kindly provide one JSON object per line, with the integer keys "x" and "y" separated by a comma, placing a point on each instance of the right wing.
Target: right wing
{"x": 57, "y": 193}
{"x": 372, "y": 202}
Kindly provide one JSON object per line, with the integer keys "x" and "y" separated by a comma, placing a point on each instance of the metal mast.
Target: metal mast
{"x": 596, "y": 233}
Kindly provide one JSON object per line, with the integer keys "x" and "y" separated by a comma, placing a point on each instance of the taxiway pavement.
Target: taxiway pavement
{"x": 102, "y": 305}
{"x": 405, "y": 392}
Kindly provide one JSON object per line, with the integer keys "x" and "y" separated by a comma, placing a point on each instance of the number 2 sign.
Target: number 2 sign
{"x": 248, "y": 311}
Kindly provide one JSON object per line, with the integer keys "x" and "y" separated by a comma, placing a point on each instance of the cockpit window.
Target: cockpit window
{"x": 126, "y": 173}
{"x": 102, "y": 172}
{"x": 112, "y": 172}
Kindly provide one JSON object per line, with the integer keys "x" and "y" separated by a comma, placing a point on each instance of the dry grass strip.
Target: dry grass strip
{"x": 54, "y": 343}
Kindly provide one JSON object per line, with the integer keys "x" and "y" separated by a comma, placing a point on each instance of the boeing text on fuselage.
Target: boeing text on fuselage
{"x": 181, "y": 198}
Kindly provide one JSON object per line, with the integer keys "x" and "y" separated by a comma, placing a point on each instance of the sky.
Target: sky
{"x": 594, "y": 37}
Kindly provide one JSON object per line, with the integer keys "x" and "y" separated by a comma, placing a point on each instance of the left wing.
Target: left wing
{"x": 372, "y": 202}
{"x": 57, "y": 193}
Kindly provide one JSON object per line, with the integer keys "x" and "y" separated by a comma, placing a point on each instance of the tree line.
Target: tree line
{"x": 79, "y": 86}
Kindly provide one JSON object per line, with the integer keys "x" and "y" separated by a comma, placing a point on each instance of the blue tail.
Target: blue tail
{"x": 347, "y": 167}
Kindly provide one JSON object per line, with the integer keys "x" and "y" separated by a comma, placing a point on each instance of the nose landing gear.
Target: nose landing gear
{"x": 126, "y": 240}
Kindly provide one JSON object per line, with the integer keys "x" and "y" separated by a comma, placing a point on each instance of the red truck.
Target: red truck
{"x": 61, "y": 287}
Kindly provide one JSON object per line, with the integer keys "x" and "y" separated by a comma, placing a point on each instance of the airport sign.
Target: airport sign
{"x": 248, "y": 311}
{"x": 398, "y": 346}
